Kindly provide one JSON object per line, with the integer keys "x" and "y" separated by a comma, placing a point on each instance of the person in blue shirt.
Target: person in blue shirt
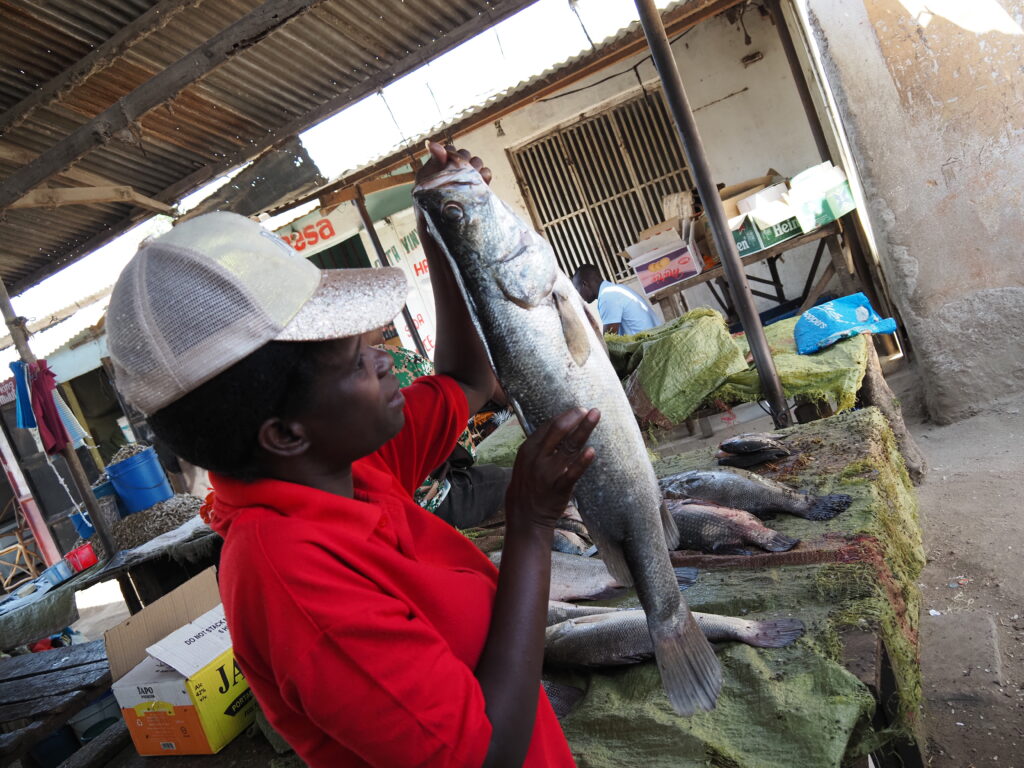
{"x": 622, "y": 310}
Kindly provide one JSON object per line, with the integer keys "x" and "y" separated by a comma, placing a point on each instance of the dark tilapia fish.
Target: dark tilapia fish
{"x": 758, "y": 495}
{"x": 599, "y": 637}
{"x": 752, "y": 442}
{"x": 547, "y": 350}
{"x": 563, "y": 697}
{"x": 723, "y": 530}
{"x": 745, "y": 460}
{"x": 585, "y": 578}
{"x": 569, "y": 543}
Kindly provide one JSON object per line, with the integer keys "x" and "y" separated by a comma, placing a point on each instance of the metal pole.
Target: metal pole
{"x": 799, "y": 79}
{"x": 372, "y": 232}
{"x": 20, "y": 338}
{"x": 679, "y": 105}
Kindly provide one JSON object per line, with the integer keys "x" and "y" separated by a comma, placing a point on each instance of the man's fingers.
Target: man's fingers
{"x": 486, "y": 175}
{"x": 574, "y": 471}
{"x": 438, "y": 152}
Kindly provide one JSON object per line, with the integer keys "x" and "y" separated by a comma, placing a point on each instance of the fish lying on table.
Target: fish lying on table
{"x": 758, "y": 495}
{"x": 547, "y": 350}
{"x": 563, "y": 697}
{"x": 585, "y": 578}
{"x": 606, "y": 637}
{"x": 751, "y": 449}
{"x": 569, "y": 543}
{"x": 722, "y": 530}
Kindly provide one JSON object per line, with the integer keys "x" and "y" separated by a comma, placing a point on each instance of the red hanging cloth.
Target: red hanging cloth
{"x": 42, "y": 383}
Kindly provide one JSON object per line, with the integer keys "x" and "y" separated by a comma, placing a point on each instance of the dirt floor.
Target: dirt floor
{"x": 972, "y": 627}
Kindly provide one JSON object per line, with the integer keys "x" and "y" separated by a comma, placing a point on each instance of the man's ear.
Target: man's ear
{"x": 283, "y": 438}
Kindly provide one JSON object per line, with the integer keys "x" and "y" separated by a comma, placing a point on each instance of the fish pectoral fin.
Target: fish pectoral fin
{"x": 668, "y": 523}
{"x": 575, "y": 333}
{"x": 595, "y": 323}
{"x": 612, "y": 555}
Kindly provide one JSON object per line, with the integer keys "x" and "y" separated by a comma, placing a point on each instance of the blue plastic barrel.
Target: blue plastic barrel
{"x": 106, "y": 488}
{"x": 140, "y": 481}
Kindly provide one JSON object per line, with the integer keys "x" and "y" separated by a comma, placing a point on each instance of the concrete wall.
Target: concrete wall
{"x": 933, "y": 105}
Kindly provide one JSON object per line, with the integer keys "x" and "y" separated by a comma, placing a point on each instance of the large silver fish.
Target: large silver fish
{"x": 585, "y": 578}
{"x": 722, "y": 530}
{"x": 547, "y": 350}
{"x": 605, "y": 637}
{"x": 755, "y": 494}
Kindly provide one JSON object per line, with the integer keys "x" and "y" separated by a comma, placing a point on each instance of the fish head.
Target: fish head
{"x": 483, "y": 237}
{"x": 691, "y": 483}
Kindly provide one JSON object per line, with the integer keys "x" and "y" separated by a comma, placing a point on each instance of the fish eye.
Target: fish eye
{"x": 452, "y": 211}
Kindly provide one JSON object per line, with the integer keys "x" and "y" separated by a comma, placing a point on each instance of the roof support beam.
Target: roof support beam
{"x": 375, "y": 82}
{"x": 49, "y": 197}
{"x": 16, "y": 154}
{"x": 680, "y": 18}
{"x": 96, "y": 60}
{"x": 163, "y": 87}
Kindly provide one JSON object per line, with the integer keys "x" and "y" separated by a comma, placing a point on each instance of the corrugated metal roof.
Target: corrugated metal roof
{"x": 312, "y": 66}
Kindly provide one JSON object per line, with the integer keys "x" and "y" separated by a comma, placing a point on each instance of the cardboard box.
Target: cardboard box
{"x": 775, "y": 221}
{"x": 664, "y": 260}
{"x": 745, "y": 234}
{"x": 762, "y": 197}
{"x": 820, "y": 195}
{"x": 732, "y": 194}
{"x": 174, "y": 673}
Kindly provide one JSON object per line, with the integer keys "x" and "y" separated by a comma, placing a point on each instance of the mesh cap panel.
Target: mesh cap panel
{"x": 216, "y": 288}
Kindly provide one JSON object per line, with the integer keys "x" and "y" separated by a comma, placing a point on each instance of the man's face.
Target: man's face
{"x": 587, "y": 291}
{"x": 355, "y": 405}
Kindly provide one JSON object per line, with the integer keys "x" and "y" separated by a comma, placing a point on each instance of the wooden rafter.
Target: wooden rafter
{"x": 161, "y": 88}
{"x": 54, "y": 197}
{"x": 97, "y": 59}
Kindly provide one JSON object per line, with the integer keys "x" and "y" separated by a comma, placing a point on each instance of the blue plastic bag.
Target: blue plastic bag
{"x": 824, "y": 325}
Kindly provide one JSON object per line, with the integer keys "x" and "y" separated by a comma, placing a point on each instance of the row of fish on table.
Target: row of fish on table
{"x": 547, "y": 349}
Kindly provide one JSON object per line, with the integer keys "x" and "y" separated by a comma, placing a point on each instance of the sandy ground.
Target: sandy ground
{"x": 972, "y": 627}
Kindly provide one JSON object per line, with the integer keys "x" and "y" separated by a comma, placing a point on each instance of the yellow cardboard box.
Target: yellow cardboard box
{"x": 175, "y": 677}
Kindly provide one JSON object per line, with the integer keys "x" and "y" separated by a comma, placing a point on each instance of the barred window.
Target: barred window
{"x": 594, "y": 185}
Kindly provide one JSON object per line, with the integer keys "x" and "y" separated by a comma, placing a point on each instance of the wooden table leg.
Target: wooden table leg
{"x": 875, "y": 391}
{"x": 841, "y": 262}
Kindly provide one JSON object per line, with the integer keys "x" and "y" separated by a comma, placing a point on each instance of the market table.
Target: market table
{"x": 830, "y": 236}
{"x": 849, "y": 687}
{"x": 40, "y": 691}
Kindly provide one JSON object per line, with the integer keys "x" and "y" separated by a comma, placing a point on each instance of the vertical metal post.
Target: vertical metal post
{"x": 20, "y": 338}
{"x": 696, "y": 158}
{"x": 775, "y": 7}
{"x": 372, "y": 232}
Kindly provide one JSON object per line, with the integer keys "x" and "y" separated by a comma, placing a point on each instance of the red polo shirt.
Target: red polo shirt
{"x": 359, "y": 622}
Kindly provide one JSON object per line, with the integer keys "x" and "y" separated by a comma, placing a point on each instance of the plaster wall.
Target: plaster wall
{"x": 932, "y": 102}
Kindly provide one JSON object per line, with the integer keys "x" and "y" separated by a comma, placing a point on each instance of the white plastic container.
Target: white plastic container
{"x": 103, "y": 708}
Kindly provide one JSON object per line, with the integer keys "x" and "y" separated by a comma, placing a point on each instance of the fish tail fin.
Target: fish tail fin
{"x": 689, "y": 668}
{"x": 671, "y": 529}
{"x": 779, "y": 542}
{"x": 827, "y": 507}
{"x": 686, "y": 577}
{"x": 612, "y": 555}
{"x": 775, "y": 633}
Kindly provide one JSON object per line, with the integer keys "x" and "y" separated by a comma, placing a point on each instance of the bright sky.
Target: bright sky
{"x": 526, "y": 44}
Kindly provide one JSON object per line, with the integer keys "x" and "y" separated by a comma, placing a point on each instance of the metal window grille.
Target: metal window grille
{"x": 593, "y": 186}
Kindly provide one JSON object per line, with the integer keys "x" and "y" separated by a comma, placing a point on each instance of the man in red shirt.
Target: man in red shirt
{"x": 371, "y": 632}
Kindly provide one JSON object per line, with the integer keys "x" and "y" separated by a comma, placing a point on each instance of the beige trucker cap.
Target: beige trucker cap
{"x": 195, "y": 301}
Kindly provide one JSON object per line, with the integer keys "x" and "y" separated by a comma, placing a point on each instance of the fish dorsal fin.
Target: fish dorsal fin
{"x": 575, "y": 333}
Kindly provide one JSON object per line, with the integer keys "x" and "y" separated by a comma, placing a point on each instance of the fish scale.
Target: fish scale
{"x": 545, "y": 347}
